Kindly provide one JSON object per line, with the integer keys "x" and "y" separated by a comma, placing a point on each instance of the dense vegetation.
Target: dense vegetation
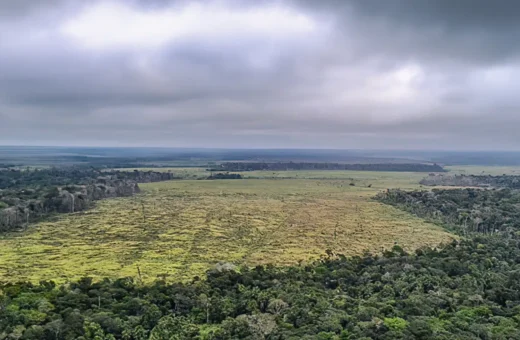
{"x": 282, "y": 166}
{"x": 467, "y": 210}
{"x": 30, "y": 179}
{"x": 27, "y": 195}
{"x": 504, "y": 181}
{"x": 24, "y": 179}
{"x": 226, "y": 175}
{"x": 468, "y": 289}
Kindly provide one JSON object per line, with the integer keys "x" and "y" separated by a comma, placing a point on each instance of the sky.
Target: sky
{"x": 342, "y": 74}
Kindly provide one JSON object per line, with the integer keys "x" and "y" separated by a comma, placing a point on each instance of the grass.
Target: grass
{"x": 392, "y": 178}
{"x": 484, "y": 170}
{"x": 179, "y": 229}
{"x": 379, "y": 179}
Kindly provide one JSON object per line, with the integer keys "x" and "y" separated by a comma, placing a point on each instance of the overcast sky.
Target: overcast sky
{"x": 436, "y": 74}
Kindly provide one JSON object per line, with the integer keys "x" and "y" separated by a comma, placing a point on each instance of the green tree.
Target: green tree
{"x": 93, "y": 331}
{"x": 174, "y": 328}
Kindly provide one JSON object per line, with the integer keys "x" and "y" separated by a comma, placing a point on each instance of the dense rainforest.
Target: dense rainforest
{"x": 466, "y": 210}
{"x": 284, "y": 166}
{"x": 28, "y": 195}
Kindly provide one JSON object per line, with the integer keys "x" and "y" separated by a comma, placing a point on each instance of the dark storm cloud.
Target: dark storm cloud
{"x": 441, "y": 32}
{"x": 335, "y": 74}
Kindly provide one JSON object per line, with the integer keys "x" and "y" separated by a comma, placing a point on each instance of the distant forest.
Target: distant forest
{"x": 157, "y": 157}
{"x": 28, "y": 195}
{"x": 463, "y": 210}
{"x": 284, "y": 166}
{"x": 225, "y": 176}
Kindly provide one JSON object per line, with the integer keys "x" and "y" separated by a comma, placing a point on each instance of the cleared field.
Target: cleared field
{"x": 378, "y": 179}
{"x": 179, "y": 229}
{"x": 375, "y": 179}
{"x": 391, "y": 178}
{"x": 484, "y": 170}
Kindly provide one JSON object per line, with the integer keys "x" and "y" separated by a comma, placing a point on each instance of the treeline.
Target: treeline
{"x": 29, "y": 195}
{"x": 285, "y": 166}
{"x": 468, "y": 210}
{"x": 26, "y": 178}
{"x": 226, "y": 175}
{"x": 504, "y": 181}
{"x": 22, "y": 179}
{"x": 8, "y": 166}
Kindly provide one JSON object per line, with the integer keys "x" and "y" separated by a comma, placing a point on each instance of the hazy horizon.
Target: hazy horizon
{"x": 271, "y": 74}
{"x": 137, "y": 146}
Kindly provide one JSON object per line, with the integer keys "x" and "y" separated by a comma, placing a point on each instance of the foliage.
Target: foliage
{"x": 464, "y": 290}
{"x": 29, "y": 195}
{"x": 504, "y": 181}
{"x": 483, "y": 170}
{"x": 466, "y": 210}
{"x": 64, "y": 176}
{"x": 226, "y": 175}
{"x": 396, "y": 324}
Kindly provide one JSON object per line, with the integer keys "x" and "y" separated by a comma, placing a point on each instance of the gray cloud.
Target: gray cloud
{"x": 332, "y": 74}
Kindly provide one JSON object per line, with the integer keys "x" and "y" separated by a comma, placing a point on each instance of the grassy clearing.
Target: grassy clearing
{"x": 379, "y": 179}
{"x": 484, "y": 170}
{"x": 179, "y": 229}
{"x": 392, "y": 178}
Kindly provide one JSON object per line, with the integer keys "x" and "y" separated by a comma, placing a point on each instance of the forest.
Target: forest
{"x": 467, "y": 210}
{"x": 465, "y": 289}
{"x": 226, "y": 175}
{"x": 281, "y": 166}
{"x": 29, "y": 195}
{"x": 27, "y": 178}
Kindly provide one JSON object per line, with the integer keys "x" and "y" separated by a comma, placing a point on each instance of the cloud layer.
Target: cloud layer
{"x": 329, "y": 74}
